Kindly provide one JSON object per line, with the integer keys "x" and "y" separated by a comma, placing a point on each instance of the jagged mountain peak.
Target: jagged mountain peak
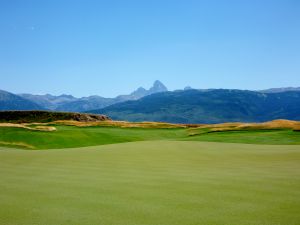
{"x": 138, "y": 93}
{"x": 141, "y": 89}
{"x": 158, "y": 87}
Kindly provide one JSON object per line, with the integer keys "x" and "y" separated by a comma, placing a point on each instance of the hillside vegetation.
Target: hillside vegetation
{"x": 47, "y": 116}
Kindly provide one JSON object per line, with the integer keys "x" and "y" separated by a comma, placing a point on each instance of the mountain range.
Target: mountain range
{"x": 208, "y": 106}
{"x": 9, "y": 101}
{"x": 279, "y": 90}
{"x": 72, "y": 104}
{"x": 181, "y": 106}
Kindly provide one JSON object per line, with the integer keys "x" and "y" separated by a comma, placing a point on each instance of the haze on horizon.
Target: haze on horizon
{"x": 109, "y": 48}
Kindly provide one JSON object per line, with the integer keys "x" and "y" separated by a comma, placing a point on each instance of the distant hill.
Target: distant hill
{"x": 180, "y": 106}
{"x": 72, "y": 104}
{"x": 85, "y": 104}
{"x": 48, "y": 101}
{"x": 209, "y": 106}
{"x": 9, "y": 101}
{"x": 47, "y": 116}
{"x": 279, "y": 90}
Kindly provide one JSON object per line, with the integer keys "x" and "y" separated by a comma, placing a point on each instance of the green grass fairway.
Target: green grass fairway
{"x": 152, "y": 182}
{"x": 71, "y": 136}
{"x": 274, "y": 137}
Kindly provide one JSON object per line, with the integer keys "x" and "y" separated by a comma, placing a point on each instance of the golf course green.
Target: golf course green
{"x": 152, "y": 182}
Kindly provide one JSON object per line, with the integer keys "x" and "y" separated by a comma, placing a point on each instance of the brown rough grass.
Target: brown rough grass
{"x": 27, "y": 126}
{"x": 271, "y": 125}
{"x": 123, "y": 124}
{"x": 193, "y": 129}
{"x": 17, "y": 144}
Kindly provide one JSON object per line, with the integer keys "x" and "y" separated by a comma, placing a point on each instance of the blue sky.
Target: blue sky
{"x": 110, "y": 47}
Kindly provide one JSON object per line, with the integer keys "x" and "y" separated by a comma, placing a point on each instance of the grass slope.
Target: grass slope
{"x": 72, "y": 136}
{"x": 275, "y": 137}
{"x": 152, "y": 183}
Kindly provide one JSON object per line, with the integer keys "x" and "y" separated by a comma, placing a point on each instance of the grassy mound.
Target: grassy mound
{"x": 223, "y": 127}
{"x": 73, "y": 136}
{"x": 71, "y": 133}
{"x": 70, "y": 136}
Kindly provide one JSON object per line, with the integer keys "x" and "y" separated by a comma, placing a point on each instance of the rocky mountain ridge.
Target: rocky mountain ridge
{"x": 70, "y": 103}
